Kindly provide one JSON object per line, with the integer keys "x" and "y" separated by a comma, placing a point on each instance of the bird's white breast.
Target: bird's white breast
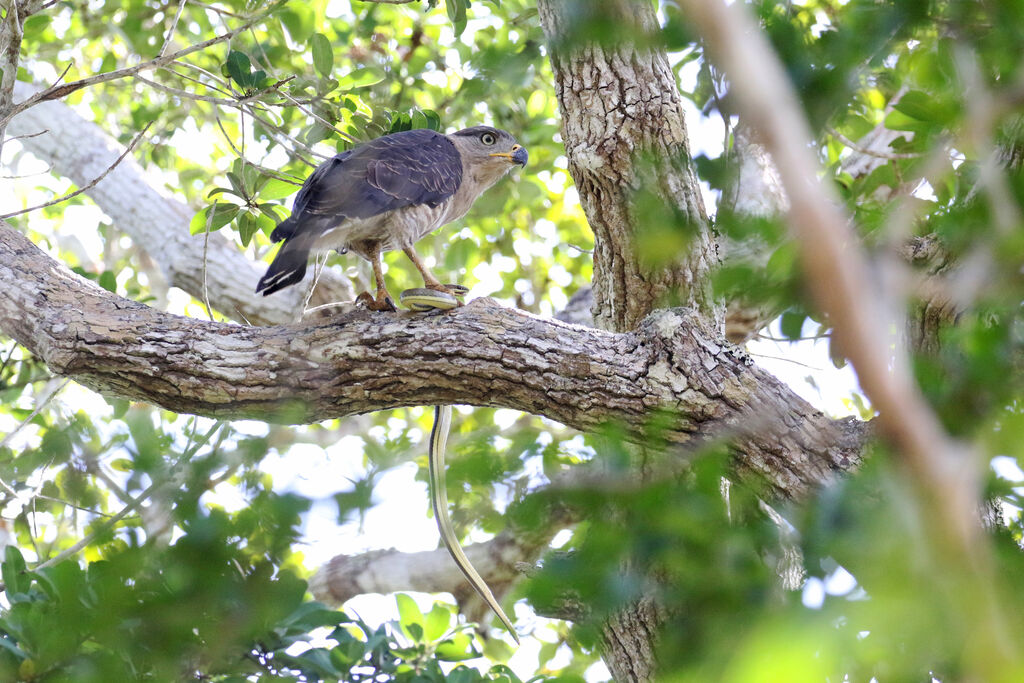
{"x": 404, "y": 227}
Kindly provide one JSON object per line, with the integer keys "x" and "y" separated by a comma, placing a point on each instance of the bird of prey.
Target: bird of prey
{"x": 387, "y": 194}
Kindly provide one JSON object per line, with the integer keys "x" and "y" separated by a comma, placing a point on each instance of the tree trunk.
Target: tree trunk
{"x": 626, "y": 142}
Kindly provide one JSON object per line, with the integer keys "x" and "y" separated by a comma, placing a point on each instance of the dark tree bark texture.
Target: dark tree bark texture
{"x": 482, "y": 354}
{"x": 625, "y": 139}
{"x": 626, "y": 142}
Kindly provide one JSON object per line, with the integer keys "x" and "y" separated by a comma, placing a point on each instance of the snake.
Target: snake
{"x": 423, "y": 300}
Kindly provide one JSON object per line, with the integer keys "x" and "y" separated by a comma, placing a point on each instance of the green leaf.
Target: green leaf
{"x": 311, "y": 615}
{"x": 275, "y": 188}
{"x": 438, "y": 621}
{"x": 122, "y": 465}
{"x": 400, "y": 122}
{"x": 409, "y": 612}
{"x": 458, "y": 648}
{"x": 924, "y": 107}
{"x": 361, "y": 78}
{"x": 247, "y": 227}
{"x": 265, "y": 223}
{"x": 36, "y": 24}
{"x": 457, "y": 14}
{"x": 238, "y": 67}
{"x": 298, "y": 18}
{"x": 237, "y": 184}
{"x": 323, "y": 55}
{"x": 792, "y": 324}
{"x": 433, "y": 119}
{"x": 15, "y": 572}
{"x": 108, "y": 281}
{"x": 222, "y": 215}
{"x": 222, "y": 190}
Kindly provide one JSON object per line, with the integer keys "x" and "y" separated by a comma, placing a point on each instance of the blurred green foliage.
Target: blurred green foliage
{"x": 176, "y": 583}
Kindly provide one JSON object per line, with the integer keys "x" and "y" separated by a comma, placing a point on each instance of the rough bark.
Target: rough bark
{"x": 626, "y": 142}
{"x": 624, "y": 134}
{"x": 157, "y": 223}
{"x": 481, "y": 354}
{"x": 629, "y": 640}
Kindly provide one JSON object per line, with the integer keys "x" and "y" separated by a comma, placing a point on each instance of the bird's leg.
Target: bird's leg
{"x": 429, "y": 281}
{"x": 381, "y": 302}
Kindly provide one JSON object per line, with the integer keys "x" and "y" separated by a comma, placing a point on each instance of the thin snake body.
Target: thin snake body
{"x": 424, "y": 300}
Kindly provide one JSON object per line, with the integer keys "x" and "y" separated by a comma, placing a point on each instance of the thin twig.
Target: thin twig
{"x": 787, "y": 340}
{"x": 318, "y": 267}
{"x": 227, "y": 138}
{"x": 10, "y": 355}
{"x": 217, "y": 80}
{"x": 177, "y": 92}
{"x": 174, "y": 25}
{"x": 892, "y": 156}
{"x": 26, "y": 136}
{"x": 333, "y": 304}
{"x": 276, "y": 130}
{"x": 310, "y": 112}
{"x": 58, "y": 92}
{"x": 92, "y": 511}
{"x": 124, "y": 512}
{"x": 39, "y": 406}
{"x": 131, "y": 506}
{"x": 218, "y": 10}
{"x": 100, "y": 474}
{"x": 92, "y": 183}
{"x": 206, "y": 252}
{"x": 783, "y": 358}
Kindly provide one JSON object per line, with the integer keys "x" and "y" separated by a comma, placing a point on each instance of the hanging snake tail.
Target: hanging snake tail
{"x": 439, "y": 501}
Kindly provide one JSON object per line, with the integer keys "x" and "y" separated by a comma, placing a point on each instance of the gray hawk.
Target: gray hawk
{"x": 387, "y": 194}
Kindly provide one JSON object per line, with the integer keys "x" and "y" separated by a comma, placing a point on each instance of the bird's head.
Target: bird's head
{"x": 488, "y": 152}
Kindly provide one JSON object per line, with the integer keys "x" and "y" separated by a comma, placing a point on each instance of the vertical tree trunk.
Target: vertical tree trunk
{"x": 624, "y": 134}
{"x": 626, "y": 142}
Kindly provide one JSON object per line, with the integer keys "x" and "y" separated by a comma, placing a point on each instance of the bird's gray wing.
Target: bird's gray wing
{"x": 402, "y": 169}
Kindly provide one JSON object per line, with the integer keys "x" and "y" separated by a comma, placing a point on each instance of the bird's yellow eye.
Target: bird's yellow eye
{"x": 488, "y": 139}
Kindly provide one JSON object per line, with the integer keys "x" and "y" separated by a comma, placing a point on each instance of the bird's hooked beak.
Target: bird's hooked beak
{"x": 517, "y": 154}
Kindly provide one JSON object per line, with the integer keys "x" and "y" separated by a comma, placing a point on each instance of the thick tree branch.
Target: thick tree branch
{"x": 432, "y": 571}
{"x": 88, "y": 186}
{"x": 157, "y": 223}
{"x": 482, "y": 355}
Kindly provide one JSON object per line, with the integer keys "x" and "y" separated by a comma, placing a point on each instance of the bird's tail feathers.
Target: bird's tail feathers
{"x": 287, "y": 268}
{"x": 284, "y": 229}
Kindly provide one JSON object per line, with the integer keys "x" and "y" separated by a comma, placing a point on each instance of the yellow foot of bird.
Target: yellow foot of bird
{"x": 383, "y": 302}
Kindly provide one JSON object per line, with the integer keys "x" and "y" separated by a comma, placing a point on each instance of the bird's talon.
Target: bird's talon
{"x": 383, "y": 304}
